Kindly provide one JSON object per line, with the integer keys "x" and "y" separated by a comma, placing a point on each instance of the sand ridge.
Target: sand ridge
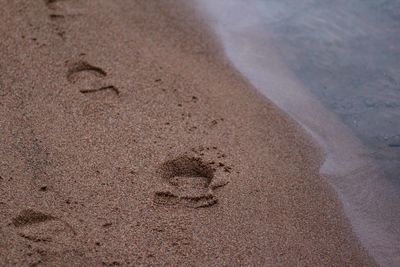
{"x": 126, "y": 139}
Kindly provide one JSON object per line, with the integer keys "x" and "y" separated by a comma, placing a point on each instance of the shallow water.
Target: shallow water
{"x": 334, "y": 66}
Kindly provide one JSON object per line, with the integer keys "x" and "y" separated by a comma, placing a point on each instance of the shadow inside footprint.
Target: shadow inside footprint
{"x": 189, "y": 181}
{"x": 28, "y": 217}
{"x": 82, "y": 66}
{"x": 110, "y": 88}
{"x": 52, "y": 4}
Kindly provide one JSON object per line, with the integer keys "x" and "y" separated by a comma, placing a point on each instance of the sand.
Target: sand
{"x": 128, "y": 139}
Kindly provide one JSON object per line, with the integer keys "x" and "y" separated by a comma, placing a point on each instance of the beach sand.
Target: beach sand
{"x": 128, "y": 139}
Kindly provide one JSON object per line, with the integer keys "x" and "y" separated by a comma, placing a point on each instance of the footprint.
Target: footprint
{"x": 61, "y": 11}
{"x": 189, "y": 182}
{"x": 90, "y": 79}
{"x": 39, "y": 227}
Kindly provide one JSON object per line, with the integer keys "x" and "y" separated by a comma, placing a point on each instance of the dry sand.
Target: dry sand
{"x": 127, "y": 139}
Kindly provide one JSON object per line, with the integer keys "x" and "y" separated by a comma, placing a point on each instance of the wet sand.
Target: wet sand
{"x": 301, "y": 56}
{"x": 128, "y": 139}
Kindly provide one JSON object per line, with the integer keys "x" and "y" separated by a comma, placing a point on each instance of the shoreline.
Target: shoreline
{"x": 94, "y": 163}
{"x": 366, "y": 194}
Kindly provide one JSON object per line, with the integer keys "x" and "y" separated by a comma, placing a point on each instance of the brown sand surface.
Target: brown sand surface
{"x": 127, "y": 139}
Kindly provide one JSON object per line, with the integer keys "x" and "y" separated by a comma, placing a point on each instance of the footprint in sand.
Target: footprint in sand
{"x": 62, "y": 10}
{"x": 38, "y": 227}
{"x": 190, "y": 182}
{"x": 90, "y": 79}
{"x": 48, "y": 240}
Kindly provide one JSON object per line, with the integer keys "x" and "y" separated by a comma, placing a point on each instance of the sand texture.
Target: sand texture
{"x": 127, "y": 139}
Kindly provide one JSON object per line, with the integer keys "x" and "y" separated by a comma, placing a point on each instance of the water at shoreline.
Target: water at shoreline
{"x": 348, "y": 54}
{"x": 334, "y": 66}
